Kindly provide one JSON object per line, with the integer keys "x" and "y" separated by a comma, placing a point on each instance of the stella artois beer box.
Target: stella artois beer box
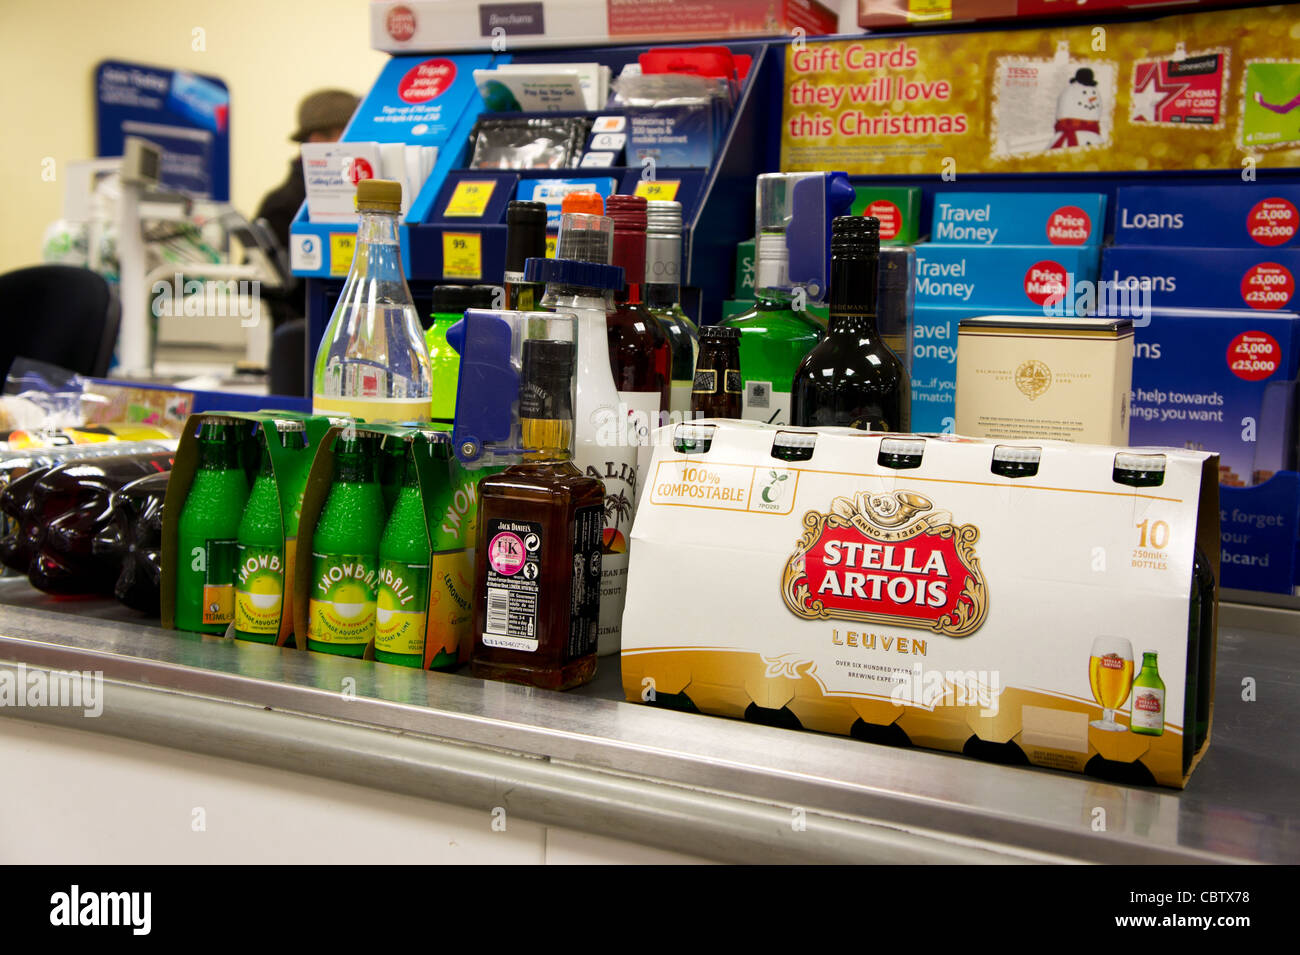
{"x": 1046, "y": 602}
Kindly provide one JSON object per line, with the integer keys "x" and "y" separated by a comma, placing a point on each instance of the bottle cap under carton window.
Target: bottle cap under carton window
{"x": 904, "y": 447}
{"x": 1011, "y": 454}
{"x": 1139, "y": 462}
{"x": 379, "y": 195}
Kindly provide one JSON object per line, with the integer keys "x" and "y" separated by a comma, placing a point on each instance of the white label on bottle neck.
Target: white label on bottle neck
{"x": 761, "y": 403}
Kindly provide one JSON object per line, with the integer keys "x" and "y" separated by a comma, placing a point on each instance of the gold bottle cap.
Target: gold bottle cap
{"x": 379, "y": 195}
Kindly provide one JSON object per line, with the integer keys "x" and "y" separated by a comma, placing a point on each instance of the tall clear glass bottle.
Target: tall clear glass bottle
{"x": 373, "y": 362}
{"x": 663, "y": 295}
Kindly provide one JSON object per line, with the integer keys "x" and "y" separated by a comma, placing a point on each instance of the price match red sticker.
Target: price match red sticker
{"x": 1069, "y": 225}
{"x": 1267, "y": 286}
{"x": 1272, "y": 222}
{"x": 1045, "y": 282}
{"x": 890, "y": 216}
{"x": 1253, "y": 356}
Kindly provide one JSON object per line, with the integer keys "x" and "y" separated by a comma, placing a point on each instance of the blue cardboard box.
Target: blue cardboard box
{"x": 1248, "y": 215}
{"x": 934, "y": 361}
{"x": 1263, "y": 279}
{"x": 1003, "y": 277}
{"x": 1221, "y": 381}
{"x": 1018, "y": 218}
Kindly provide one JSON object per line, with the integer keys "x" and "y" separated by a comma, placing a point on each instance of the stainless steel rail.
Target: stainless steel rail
{"x": 708, "y": 787}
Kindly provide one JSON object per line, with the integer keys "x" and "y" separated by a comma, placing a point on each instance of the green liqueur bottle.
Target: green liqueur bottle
{"x": 261, "y": 568}
{"x": 1147, "y": 716}
{"x": 774, "y": 336}
{"x": 401, "y": 618}
{"x": 206, "y": 535}
{"x": 345, "y": 553}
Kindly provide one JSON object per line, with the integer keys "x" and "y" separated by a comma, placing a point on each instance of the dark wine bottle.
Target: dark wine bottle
{"x": 851, "y": 378}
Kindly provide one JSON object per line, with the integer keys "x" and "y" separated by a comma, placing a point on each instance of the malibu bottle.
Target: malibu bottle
{"x": 401, "y": 619}
{"x": 262, "y": 563}
{"x": 345, "y": 553}
{"x": 1147, "y": 715}
{"x": 851, "y": 378}
{"x": 207, "y": 532}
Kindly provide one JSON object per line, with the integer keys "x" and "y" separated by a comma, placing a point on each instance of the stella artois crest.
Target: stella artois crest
{"x": 887, "y": 558}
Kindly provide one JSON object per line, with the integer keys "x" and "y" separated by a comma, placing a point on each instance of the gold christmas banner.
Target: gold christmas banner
{"x": 1217, "y": 90}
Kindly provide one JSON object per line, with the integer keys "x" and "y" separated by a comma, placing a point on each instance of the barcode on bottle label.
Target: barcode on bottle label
{"x": 513, "y": 585}
{"x": 498, "y": 610}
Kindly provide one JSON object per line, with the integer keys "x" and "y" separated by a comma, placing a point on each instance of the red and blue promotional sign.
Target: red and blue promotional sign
{"x": 186, "y": 114}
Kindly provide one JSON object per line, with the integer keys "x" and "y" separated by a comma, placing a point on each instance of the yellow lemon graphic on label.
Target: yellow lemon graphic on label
{"x": 351, "y": 602}
{"x": 264, "y": 592}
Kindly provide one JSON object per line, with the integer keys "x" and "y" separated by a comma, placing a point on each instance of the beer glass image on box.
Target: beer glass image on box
{"x": 910, "y": 589}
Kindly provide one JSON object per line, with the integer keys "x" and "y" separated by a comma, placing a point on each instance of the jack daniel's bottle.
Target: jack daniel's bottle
{"x": 851, "y": 378}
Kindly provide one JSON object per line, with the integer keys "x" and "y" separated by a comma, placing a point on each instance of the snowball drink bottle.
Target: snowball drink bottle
{"x": 373, "y": 362}
{"x": 401, "y": 619}
{"x": 261, "y": 567}
{"x": 345, "y": 553}
{"x": 207, "y": 531}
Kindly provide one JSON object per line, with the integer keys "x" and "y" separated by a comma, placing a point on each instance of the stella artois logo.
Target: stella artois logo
{"x": 887, "y": 558}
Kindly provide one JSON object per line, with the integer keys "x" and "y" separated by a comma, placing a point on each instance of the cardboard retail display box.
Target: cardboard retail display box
{"x": 1035, "y": 377}
{"x": 1237, "y": 216}
{"x": 290, "y": 466}
{"x": 1186, "y": 277}
{"x": 450, "y": 501}
{"x": 896, "y": 587}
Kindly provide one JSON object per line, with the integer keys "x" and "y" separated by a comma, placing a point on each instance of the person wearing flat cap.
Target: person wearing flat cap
{"x": 322, "y": 115}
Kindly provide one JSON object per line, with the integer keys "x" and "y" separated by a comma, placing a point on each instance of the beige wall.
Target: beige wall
{"x": 270, "y": 53}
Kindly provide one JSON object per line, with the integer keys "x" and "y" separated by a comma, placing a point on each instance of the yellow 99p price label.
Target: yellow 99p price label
{"x": 470, "y": 198}
{"x": 462, "y": 255}
{"x": 659, "y": 190}
{"x": 342, "y": 245}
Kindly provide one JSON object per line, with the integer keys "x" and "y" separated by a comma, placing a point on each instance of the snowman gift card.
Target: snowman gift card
{"x": 1057, "y": 105}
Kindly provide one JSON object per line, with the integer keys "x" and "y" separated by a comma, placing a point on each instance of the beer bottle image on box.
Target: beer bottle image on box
{"x": 639, "y": 354}
{"x": 207, "y": 531}
{"x": 663, "y": 295}
{"x": 538, "y": 553}
{"x": 716, "y": 390}
{"x": 851, "y": 379}
{"x": 372, "y": 362}
{"x": 579, "y": 281}
{"x": 774, "y": 335}
{"x": 345, "y": 553}
{"x": 265, "y": 546}
{"x": 401, "y": 615}
{"x": 448, "y": 306}
{"x": 525, "y": 239}
{"x": 1147, "y": 715}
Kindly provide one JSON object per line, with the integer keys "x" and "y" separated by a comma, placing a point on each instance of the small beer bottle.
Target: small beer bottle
{"x": 401, "y": 617}
{"x": 260, "y": 570}
{"x": 1147, "y": 715}
{"x": 345, "y": 553}
{"x": 717, "y": 391}
{"x": 538, "y": 554}
{"x": 851, "y": 378}
{"x": 207, "y": 531}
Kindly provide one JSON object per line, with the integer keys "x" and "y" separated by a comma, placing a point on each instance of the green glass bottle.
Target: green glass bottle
{"x": 1147, "y": 716}
{"x": 448, "y": 307}
{"x": 261, "y": 569}
{"x": 774, "y": 338}
{"x": 207, "y": 530}
{"x": 401, "y": 617}
{"x": 345, "y": 553}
